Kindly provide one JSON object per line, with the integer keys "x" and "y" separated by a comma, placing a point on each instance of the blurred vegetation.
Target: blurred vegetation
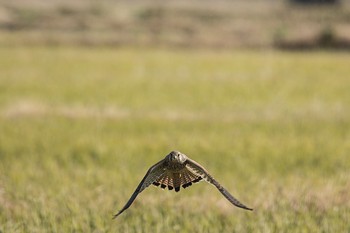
{"x": 81, "y": 126}
{"x": 329, "y": 2}
{"x": 252, "y": 24}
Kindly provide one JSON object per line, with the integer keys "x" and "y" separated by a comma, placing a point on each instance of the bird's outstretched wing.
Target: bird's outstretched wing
{"x": 151, "y": 176}
{"x": 200, "y": 171}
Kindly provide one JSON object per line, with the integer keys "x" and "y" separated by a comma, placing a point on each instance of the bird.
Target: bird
{"x": 176, "y": 170}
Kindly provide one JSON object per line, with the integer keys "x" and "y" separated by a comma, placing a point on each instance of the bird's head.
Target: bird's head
{"x": 176, "y": 157}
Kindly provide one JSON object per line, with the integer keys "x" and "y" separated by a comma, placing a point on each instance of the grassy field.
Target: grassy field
{"x": 80, "y": 127}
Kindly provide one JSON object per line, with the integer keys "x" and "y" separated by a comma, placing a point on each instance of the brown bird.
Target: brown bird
{"x": 174, "y": 171}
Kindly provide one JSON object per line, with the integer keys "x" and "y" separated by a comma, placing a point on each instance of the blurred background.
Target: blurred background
{"x": 92, "y": 93}
{"x": 293, "y": 24}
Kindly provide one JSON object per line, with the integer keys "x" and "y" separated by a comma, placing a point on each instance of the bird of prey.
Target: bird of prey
{"x": 174, "y": 171}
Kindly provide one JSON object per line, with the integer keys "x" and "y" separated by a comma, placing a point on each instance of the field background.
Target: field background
{"x": 181, "y": 23}
{"x": 80, "y": 124}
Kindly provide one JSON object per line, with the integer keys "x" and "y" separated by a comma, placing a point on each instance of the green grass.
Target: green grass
{"x": 80, "y": 127}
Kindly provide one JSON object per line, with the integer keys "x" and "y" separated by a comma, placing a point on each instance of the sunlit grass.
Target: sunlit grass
{"x": 80, "y": 127}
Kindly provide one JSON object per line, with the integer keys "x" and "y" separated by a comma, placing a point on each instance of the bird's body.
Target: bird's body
{"x": 176, "y": 170}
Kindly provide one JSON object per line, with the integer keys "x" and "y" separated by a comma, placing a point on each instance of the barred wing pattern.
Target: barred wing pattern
{"x": 152, "y": 175}
{"x": 200, "y": 171}
{"x": 174, "y": 180}
{"x": 174, "y": 172}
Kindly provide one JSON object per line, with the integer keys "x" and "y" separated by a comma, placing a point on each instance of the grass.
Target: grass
{"x": 80, "y": 127}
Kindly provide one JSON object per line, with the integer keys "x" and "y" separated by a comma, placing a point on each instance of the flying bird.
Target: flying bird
{"x": 174, "y": 171}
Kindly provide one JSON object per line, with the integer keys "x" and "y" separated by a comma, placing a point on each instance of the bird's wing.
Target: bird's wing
{"x": 152, "y": 174}
{"x": 200, "y": 171}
